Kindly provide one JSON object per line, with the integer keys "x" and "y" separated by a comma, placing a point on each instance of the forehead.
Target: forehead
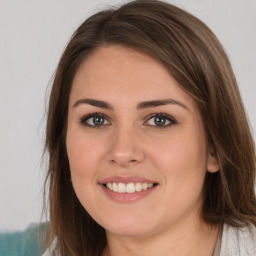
{"x": 118, "y": 71}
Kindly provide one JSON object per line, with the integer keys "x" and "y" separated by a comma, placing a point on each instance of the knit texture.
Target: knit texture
{"x": 238, "y": 241}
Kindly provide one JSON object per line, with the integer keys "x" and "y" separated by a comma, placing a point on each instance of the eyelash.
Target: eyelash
{"x": 162, "y": 115}
{"x": 84, "y": 120}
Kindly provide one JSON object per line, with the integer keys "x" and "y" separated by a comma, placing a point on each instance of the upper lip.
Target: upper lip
{"x": 126, "y": 180}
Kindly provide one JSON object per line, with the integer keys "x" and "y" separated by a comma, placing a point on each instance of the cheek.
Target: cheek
{"x": 83, "y": 155}
{"x": 182, "y": 163}
{"x": 84, "y": 165}
{"x": 182, "y": 160}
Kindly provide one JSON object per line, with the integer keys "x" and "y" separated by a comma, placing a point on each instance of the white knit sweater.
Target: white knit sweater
{"x": 238, "y": 241}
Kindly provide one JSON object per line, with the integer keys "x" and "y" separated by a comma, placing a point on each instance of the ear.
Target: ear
{"x": 212, "y": 161}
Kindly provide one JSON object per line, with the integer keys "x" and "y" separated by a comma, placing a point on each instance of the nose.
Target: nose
{"x": 126, "y": 149}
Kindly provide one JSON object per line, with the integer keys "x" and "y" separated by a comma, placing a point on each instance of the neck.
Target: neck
{"x": 194, "y": 238}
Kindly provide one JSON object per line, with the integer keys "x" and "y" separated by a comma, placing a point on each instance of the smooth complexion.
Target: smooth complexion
{"x": 130, "y": 122}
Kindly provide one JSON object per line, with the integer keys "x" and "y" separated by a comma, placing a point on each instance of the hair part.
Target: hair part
{"x": 197, "y": 61}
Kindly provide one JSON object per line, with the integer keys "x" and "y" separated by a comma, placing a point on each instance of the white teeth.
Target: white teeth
{"x": 121, "y": 188}
{"x": 115, "y": 187}
{"x": 138, "y": 187}
{"x": 128, "y": 188}
{"x": 110, "y": 186}
{"x": 144, "y": 186}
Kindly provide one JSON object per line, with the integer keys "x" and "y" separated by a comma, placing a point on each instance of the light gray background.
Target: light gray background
{"x": 33, "y": 36}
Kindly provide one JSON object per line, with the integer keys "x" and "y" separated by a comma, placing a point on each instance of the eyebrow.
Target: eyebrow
{"x": 93, "y": 102}
{"x": 142, "y": 105}
{"x": 156, "y": 103}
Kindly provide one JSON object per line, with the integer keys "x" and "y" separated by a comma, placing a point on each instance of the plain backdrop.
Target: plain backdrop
{"x": 33, "y": 36}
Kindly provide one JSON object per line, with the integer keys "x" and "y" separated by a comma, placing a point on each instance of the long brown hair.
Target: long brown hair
{"x": 196, "y": 59}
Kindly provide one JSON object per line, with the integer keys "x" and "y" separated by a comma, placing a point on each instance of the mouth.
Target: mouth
{"x": 126, "y": 189}
{"x": 129, "y": 188}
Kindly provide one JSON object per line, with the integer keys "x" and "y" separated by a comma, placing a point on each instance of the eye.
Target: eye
{"x": 160, "y": 120}
{"x": 95, "y": 120}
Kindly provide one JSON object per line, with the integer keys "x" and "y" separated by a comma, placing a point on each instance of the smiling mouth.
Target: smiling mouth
{"x": 130, "y": 188}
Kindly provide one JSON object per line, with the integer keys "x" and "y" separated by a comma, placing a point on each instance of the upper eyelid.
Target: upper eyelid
{"x": 161, "y": 114}
{"x": 150, "y": 115}
{"x": 87, "y": 116}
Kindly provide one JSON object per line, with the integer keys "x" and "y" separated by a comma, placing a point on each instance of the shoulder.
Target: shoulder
{"x": 27, "y": 242}
{"x": 238, "y": 241}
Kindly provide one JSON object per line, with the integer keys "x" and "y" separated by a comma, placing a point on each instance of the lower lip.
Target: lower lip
{"x": 127, "y": 197}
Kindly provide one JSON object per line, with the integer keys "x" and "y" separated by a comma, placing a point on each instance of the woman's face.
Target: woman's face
{"x": 136, "y": 144}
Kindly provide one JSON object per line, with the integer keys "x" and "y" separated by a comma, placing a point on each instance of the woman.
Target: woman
{"x": 150, "y": 149}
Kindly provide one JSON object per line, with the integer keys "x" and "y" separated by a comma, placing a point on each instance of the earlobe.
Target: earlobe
{"x": 212, "y": 162}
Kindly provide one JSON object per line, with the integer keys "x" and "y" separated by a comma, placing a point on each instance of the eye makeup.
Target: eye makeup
{"x": 99, "y": 120}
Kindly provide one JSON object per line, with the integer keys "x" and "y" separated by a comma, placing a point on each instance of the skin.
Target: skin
{"x": 130, "y": 143}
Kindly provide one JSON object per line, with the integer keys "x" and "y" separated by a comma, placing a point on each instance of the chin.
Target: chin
{"x": 129, "y": 232}
{"x": 129, "y": 227}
